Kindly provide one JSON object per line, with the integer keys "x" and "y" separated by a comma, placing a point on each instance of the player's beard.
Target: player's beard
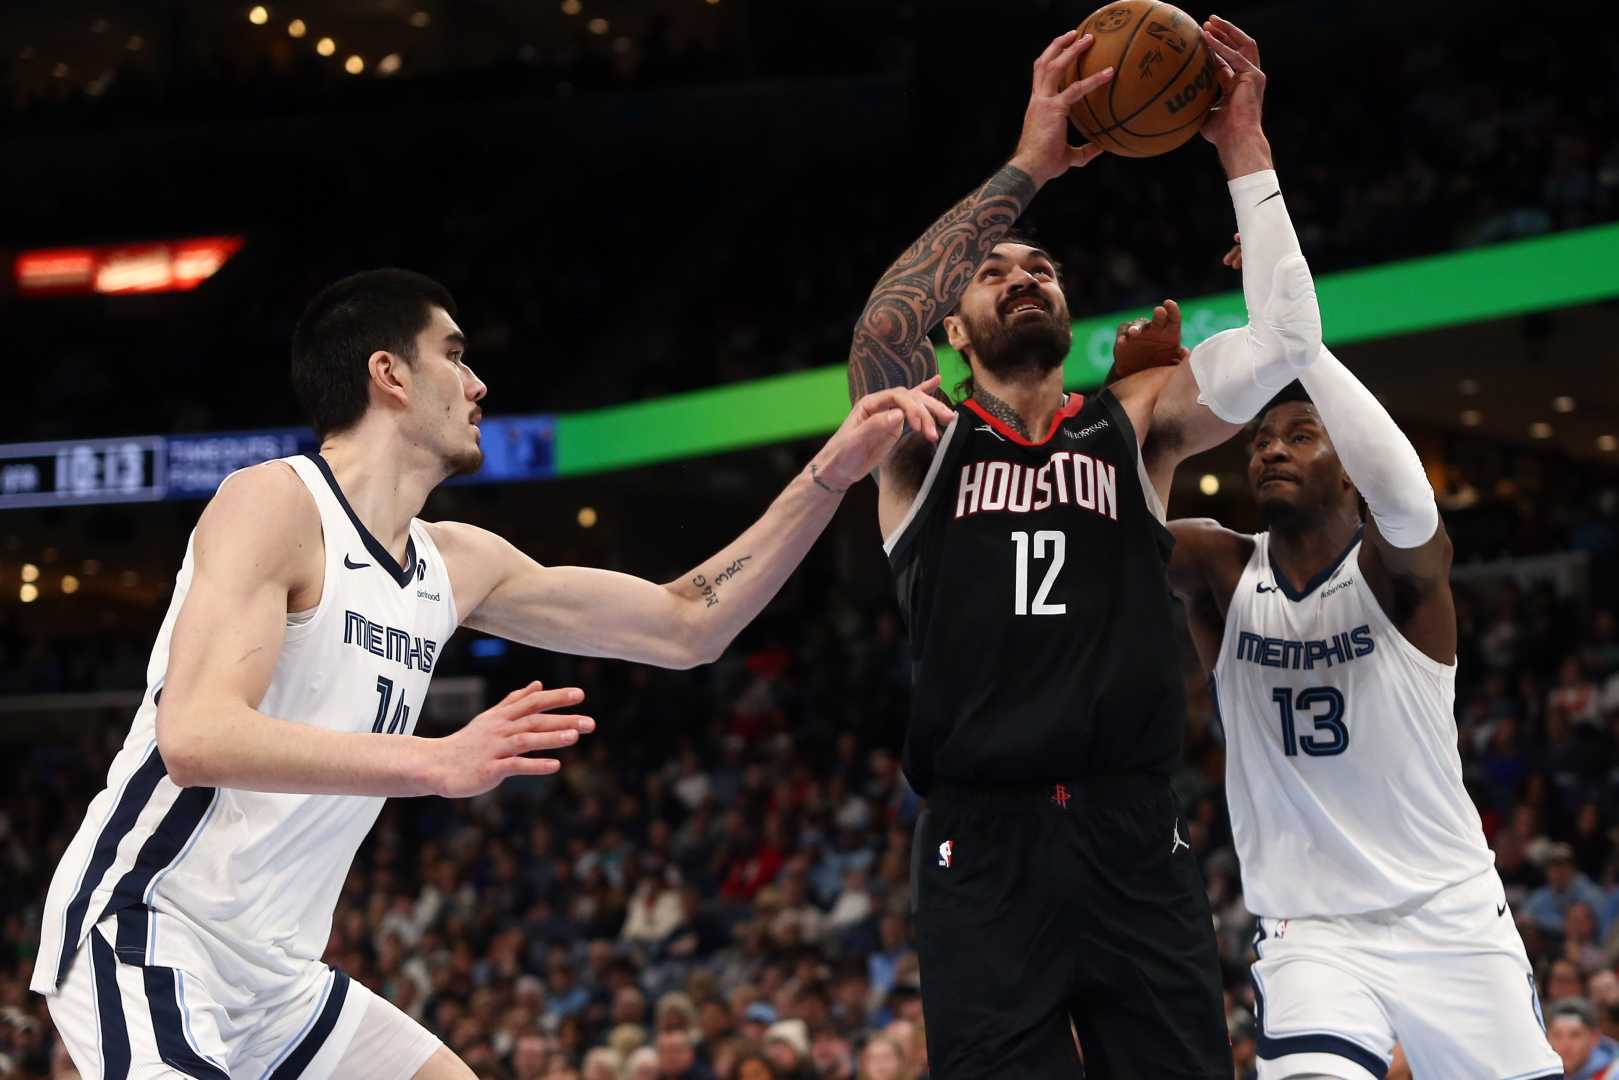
{"x": 1026, "y": 346}
{"x": 465, "y": 462}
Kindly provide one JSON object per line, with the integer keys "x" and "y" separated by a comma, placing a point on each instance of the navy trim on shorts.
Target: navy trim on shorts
{"x": 137, "y": 793}
{"x": 115, "y": 1057}
{"x": 300, "y": 1058}
{"x": 1320, "y": 1043}
{"x": 168, "y": 1024}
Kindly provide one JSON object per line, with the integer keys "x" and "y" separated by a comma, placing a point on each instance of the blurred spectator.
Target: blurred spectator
{"x": 1587, "y": 1054}
{"x": 1548, "y": 905}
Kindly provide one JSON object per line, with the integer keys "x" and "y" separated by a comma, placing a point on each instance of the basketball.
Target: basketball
{"x": 1163, "y": 83}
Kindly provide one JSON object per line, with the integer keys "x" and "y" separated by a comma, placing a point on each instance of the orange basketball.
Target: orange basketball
{"x": 1163, "y": 82}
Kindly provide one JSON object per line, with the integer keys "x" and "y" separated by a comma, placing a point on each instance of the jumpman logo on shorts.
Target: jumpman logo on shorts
{"x": 1176, "y": 843}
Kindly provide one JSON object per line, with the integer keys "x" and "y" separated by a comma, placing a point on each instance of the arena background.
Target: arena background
{"x": 681, "y": 204}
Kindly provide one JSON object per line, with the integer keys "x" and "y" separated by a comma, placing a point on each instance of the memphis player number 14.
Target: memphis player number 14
{"x": 1046, "y": 544}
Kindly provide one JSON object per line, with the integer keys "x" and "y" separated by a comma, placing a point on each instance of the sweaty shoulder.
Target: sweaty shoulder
{"x": 263, "y": 523}
{"x": 1208, "y": 557}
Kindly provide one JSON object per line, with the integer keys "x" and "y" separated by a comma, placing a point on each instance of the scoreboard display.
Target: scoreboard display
{"x": 82, "y": 471}
{"x": 152, "y": 468}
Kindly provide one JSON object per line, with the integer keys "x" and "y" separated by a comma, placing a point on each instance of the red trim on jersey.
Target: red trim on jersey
{"x": 1070, "y": 408}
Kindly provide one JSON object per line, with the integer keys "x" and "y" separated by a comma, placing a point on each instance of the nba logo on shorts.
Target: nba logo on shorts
{"x": 945, "y": 850}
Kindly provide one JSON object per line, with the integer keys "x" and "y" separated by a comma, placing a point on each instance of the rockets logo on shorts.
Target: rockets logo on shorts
{"x": 946, "y": 849}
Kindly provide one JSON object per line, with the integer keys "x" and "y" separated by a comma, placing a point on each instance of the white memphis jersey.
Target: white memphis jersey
{"x": 1342, "y": 775}
{"x": 255, "y": 876}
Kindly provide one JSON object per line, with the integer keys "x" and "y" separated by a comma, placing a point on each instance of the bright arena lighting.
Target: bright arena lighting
{"x": 389, "y": 64}
{"x": 28, "y": 593}
{"x": 1209, "y": 485}
{"x": 598, "y": 26}
{"x": 1607, "y": 443}
{"x": 297, "y": 28}
{"x": 259, "y": 15}
{"x": 587, "y": 517}
{"x": 1540, "y": 430}
{"x": 572, "y": 7}
{"x": 326, "y": 46}
{"x": 70, "y": 584}
{"x": 354, "y": 64}
{"x": 30, "y": 572}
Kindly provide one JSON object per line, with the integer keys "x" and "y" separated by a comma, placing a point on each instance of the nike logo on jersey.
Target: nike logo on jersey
{"x": 992, "y": 431}
{"x": 1262, "y": 587}
{"x": 352, "y": 565}
{"x": 1500, "y": 909}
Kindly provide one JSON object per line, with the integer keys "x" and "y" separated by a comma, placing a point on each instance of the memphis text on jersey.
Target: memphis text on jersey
{"x": 1068, "y": 478}
{"x": 1305, "y": 655}
{"x": 388, "y": 642}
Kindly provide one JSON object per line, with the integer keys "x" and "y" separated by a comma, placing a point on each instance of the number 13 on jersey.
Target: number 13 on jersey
{"x": 1047, "y": 544}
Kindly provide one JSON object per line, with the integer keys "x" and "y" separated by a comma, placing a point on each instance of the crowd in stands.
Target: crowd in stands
{"x": 717, "y": 885}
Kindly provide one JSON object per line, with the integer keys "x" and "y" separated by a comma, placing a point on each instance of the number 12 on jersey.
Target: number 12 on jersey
{"x": 1046, "y": 540}
{"x": 1332, "y": 735}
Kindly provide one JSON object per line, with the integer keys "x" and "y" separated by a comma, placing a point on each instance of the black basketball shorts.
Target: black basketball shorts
{"x": 1051, "y": 910}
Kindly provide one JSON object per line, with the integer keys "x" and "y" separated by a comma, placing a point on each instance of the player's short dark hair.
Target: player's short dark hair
{"x": 343, "y": 325}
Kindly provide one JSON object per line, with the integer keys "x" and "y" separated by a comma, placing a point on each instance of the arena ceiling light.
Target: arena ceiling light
{"x": 161, "y": 266}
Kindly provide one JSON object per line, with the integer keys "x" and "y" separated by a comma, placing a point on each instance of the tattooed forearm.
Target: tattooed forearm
{"x": 891, "y": 346}
{"x": 709, "y": 590}
{"x": 1001, "y": 411}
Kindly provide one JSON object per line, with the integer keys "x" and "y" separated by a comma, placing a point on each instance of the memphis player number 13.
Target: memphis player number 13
{"x": 1332, "y": 735}
{"x": 1046, "y": 544}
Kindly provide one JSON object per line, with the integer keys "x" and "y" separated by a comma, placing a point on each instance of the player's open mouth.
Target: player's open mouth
{"x": 1022, "y": 305}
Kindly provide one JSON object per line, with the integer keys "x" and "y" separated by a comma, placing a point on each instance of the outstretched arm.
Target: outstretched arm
{"x": 891, "y": 346}
{"x": 1189, "y": 408}
{"x": 692, "y": 619}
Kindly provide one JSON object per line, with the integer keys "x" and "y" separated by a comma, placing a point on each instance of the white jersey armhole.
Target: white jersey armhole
{"x": 425, "y": 542}
{"x": 298, "y": 624}
{"x": 934, "y": 466}
{"x": 1250, "y": 572}
{"x": 1437, "y": 669}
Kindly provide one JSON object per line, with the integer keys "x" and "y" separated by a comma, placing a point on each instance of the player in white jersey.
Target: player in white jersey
{"x": 184, "y": 926}
{"x": 1332, "y": 644}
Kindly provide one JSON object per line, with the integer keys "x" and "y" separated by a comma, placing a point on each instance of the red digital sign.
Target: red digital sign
{"x": 163, "y": 266}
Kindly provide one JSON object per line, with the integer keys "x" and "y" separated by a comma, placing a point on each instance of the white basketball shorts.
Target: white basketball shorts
{"x": 122, "y": 1017}
{"x": 1448, "y": 980}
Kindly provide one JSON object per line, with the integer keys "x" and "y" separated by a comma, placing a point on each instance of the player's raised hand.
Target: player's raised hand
{"x": 1043, "y": 150}
{"x": 492, "y": 746}
{"x": 1242, "y": 83}
{"x": 874, "y": 427}
{"x": 1150, "y": 342}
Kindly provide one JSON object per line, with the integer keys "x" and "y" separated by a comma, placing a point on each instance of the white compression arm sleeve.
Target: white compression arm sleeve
{"x": 1239, "y": 370}
{"x": 1375, "y": 452}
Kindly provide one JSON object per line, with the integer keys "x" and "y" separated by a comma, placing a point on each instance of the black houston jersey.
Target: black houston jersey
{"x": 1033, "y": 578}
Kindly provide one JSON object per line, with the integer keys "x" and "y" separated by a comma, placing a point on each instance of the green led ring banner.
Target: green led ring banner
{"x": 1562, "y": 270}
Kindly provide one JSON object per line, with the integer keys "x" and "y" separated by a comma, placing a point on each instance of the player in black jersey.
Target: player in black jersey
{"x": 1053, "y": 883}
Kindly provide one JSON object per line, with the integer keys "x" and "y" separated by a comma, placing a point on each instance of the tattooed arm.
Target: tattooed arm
{"x": 891, "y": 346}
{"x": 688, "y": 621}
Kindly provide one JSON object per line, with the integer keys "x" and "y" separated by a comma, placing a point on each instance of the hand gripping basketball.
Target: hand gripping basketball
{"x": 1043, "y": 150}
{"x": 1242, "y": 83}
{"x": 495, "y": 743}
